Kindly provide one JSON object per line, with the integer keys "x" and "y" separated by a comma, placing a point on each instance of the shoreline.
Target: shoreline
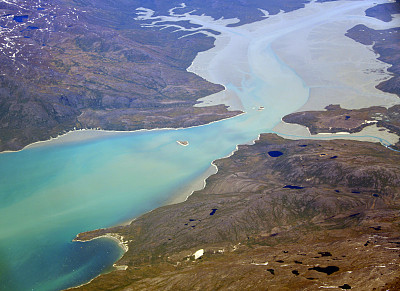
{"x": 210, "y": 58}
{"x": 93, "y": 134}
{"x": 370, "y": 133}
{"x": 113, "y": 236}
{"x": 89, "y": 134}
{"x": 336, "y": 68}
{"x": 205, "y": 62}
{"x": 206, "y": 72}
{"x": 119, "y": 239}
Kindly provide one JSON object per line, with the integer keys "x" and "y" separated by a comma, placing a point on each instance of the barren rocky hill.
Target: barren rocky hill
{"x": 69, "y": 64}
{"x": 287, "y": 215}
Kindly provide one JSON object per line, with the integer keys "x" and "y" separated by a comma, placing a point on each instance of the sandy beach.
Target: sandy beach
{"x": 113, "y": 236}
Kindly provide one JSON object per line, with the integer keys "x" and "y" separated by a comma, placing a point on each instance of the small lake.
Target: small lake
{"x": 51, "y": 193}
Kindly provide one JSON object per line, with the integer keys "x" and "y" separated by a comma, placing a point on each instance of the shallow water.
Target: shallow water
{"x": 53, "y": 192}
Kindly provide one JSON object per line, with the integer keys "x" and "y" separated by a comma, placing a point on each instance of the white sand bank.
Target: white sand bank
{"x": 76, "y": 136}
{"x": 369, "y": 134}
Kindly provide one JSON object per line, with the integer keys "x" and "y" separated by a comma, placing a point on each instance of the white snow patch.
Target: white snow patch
{"x": 198, "y": 254}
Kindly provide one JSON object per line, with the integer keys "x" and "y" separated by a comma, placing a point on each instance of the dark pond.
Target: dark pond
{"x": 327, "y": 270}
{"x": 275, "y": 154}
{"x": 20, "y": 18}
{"x": 213, "y": 211}
{"x": 355, "y": 214}
{"x": 293, "y": 187}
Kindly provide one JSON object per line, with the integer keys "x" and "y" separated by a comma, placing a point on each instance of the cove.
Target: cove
{"x": 53, "y": 192}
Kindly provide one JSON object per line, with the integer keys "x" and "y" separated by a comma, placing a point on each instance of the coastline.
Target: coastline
{"x": 93, "y": 134}
{"x": 113, "y": 236}
{"x": 285, "y": 130}
{"x": 182, "y": 194}
{"x": 370, "y": 133}
{"x": 119, "y": 239}
{"x": 338, "y": 69}
{"x": 167, "y": 222}
{"x": 80, "y": 135}
{"x": 213, "y": 72}
{"x": 201, "y": 182}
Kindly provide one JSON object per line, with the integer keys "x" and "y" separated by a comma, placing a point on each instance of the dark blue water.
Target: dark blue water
{"x": 20, "y": 18}
{"x": 293, "y": 187}
{"x": 213, "y": 211}
{"x": 275, "y": 154}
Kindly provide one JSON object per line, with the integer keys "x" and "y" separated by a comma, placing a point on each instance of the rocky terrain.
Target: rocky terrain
{"x": 336, "y": 119}
{"x": 93, "y": 64}
{"x": 279, "y": 214}
{"x": 385, "y": 43}
{"x": 63, "y": 67}
{"x": 384, "y": 11}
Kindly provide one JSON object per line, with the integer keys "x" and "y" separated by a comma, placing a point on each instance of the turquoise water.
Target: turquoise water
{"x": 51, "y": 193}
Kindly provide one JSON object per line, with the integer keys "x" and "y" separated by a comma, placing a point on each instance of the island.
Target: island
{"x": 97, "y": 97}
{"x": 183, "y": 142}
{"x": 297, "y": 214}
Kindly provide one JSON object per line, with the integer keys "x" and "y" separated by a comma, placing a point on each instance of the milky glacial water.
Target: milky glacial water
{"x": 51, "y": 193}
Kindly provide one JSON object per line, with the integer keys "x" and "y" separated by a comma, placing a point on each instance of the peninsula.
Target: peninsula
{"x": 323, "y": 213}
{"x": 291, "y": 106}
{"x": 296, "y": 214}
